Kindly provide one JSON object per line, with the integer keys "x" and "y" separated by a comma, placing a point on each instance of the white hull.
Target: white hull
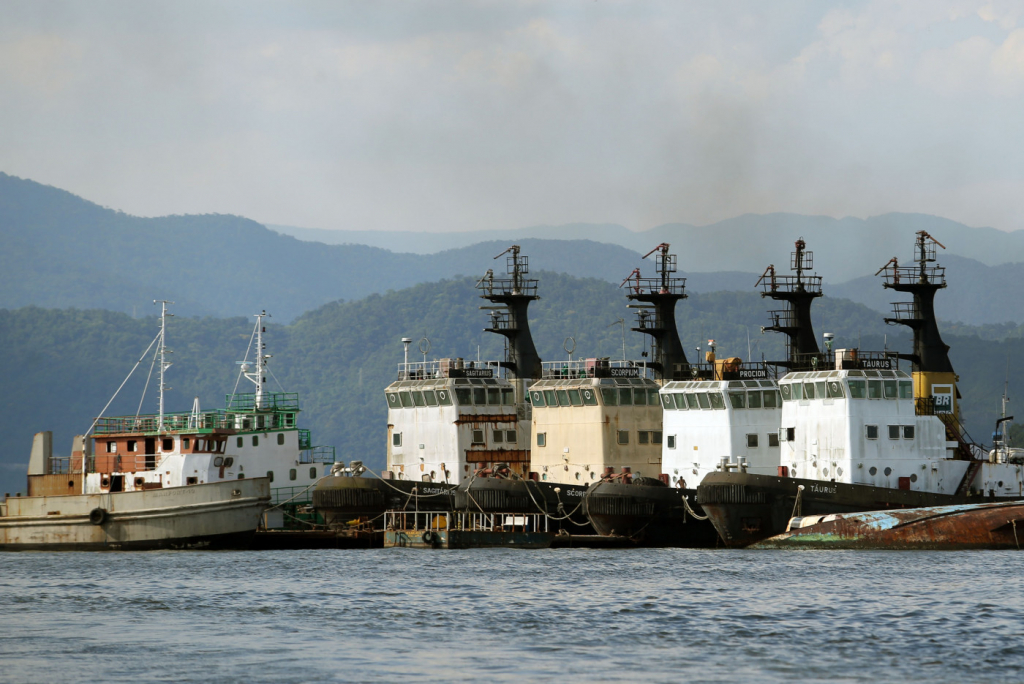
{"x": 207, "y": 515}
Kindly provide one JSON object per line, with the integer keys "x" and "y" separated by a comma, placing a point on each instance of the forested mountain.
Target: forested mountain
{"x": 63, "y": 365}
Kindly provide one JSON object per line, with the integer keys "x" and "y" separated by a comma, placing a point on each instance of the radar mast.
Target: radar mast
{"x": 798, "y": 292}
{"x": 656, "y": 313}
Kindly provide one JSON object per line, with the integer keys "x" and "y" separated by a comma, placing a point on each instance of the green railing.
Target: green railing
{"x": 207, "y": 420}
{"x": 305, "y": 440}
{"x": 272, "y": 401}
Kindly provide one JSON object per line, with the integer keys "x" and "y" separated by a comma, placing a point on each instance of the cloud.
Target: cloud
{"x": 463, "y": 115}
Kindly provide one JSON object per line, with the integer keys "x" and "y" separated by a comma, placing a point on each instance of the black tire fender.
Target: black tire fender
{"x": 98, "y": 516}
{"x": 428, "y": 537}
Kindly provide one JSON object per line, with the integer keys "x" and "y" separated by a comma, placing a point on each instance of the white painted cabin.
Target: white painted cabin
{"x": 441, "y": 424}
{"x": 861, "y": 427}
{"x": 709, "y": 421}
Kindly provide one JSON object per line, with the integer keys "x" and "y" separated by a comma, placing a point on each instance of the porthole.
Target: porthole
{"x": 824, "y": 471}
{"x": 888, "y": 472}
{"x": 913, "y": 477}
{"x": 577, "y": 475}
{"x": 1000, "y": 483}
{"x": 873, "y": 470}
{"x": 593, "y": 475}
{"x": 839, "y": 471}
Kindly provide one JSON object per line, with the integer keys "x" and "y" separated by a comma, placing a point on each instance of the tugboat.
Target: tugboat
{"x": 719, "y": 415}
{"x": 636, "y": 502}
{"x": 166, "y": 480}
{"x": 860, "y": 434}
{"x": 452, "y": 422}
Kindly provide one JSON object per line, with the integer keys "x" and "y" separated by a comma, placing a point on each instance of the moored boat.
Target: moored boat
{"x": 860, "y": 434}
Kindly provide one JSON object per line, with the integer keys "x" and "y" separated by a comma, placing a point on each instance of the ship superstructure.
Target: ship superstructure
{"x": 450, "y": 417}
{"x": 594, "y": 417}
{"x": 256, "y": 434}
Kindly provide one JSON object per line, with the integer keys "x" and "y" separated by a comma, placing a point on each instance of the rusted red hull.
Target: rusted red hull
{"x": 967, "y": 526}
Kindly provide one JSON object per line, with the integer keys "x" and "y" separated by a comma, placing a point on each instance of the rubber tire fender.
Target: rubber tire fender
{"x": 98, "y": 516}
{"x": 428, "y": 537}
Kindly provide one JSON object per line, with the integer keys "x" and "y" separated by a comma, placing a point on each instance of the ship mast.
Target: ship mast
{"x": 162, "y": 351}
{"x": 511, "y": 298}
{"x": 798, "y": 292}
{"x": 660, "y": 295}
{"x": 922, "y": 281}
{"x": 259, "y": 376}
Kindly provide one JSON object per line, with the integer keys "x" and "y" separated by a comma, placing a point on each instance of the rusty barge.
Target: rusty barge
{"x": 990, "y": 526}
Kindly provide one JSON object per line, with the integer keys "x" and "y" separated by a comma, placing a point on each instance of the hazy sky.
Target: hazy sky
{"x": 479, "y": 115}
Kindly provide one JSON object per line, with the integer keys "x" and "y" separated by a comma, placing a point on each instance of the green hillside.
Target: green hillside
{"x": 63, "y": 365}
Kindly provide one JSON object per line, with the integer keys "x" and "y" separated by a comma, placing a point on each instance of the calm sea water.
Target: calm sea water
{"x": 412, "y": 615}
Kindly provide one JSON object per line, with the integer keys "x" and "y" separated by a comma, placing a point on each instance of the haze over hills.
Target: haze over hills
{"x": 844, "y": 248}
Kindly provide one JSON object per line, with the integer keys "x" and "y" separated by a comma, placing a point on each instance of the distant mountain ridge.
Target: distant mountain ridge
{"x": 62, "y": 251}
{"x": 844, "y": 249}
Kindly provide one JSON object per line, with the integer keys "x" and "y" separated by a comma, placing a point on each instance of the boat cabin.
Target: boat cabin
{"x": 449, "y": 418}
{"x": 594, "y": 417}
{"x": 710, "y": 424}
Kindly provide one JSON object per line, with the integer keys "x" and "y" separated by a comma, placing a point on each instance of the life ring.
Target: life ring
{"x": 98, "y": 516}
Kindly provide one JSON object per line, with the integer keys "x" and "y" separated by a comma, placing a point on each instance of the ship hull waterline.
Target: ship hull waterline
{"x": 747, "y": 508}
{"x": 648, "y": 515}
{"x": 217, "y": 515}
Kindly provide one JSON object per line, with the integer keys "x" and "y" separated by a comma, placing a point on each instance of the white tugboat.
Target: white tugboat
{"x": 859, "y": 434}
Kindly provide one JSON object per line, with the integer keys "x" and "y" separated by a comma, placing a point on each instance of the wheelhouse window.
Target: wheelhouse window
{"x": 418, "y": 400}
{"x": 906, "y": 389}
{"x": 639, "y": 397}
{"x": 717, "y": 400}
{"x": 692, "y": 402}
{"x": 625, "y": 396}
{"x": 890, "y": 389}
{"x": 666, "y": 402}
{"x": 609, "y": 396}
{"x": 589, "y": 397}
{"x": 874, "y": 389}
{"x": 537, "y": 398}
{"x": 858, "y": 389}
{"x": 406, "y": 399}
{"x": 754, "y": 399}
{"x": 444, "y": 397}
{"x": 464, "y": 395}
{"x": 786, "y": 391}
{"x": 738, "y": 400}
{"x": 834, "y": 389}
{"x": 702, "y": 399}
{"x": 575, "y": 398}
{"x": 494, "y": 396}
{"x": 430, "y": 397}
{"x": 480, "y": 396}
